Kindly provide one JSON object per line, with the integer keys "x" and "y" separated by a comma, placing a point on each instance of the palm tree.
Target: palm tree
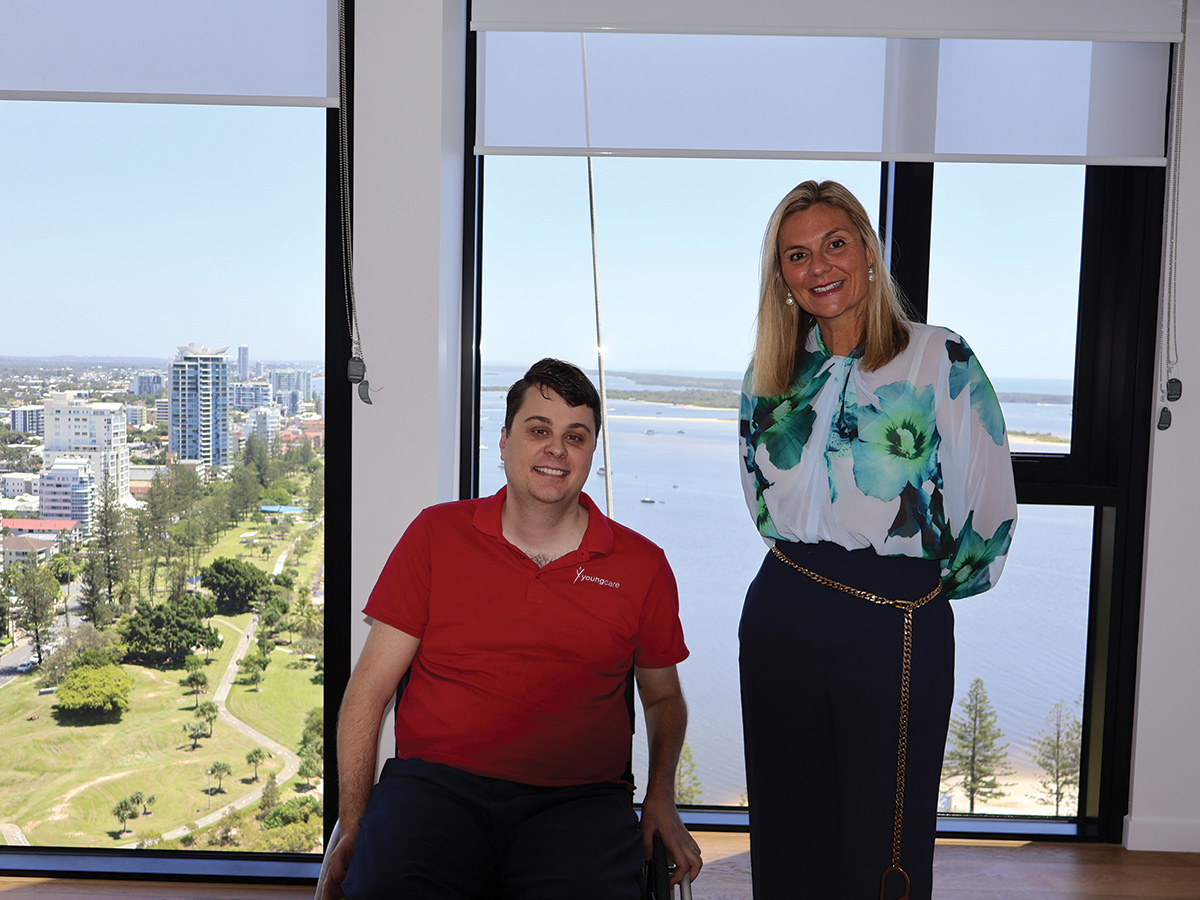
{"x": 124, "y": 811}
{"x": 256, "y": 758}
{"x": 208, "y": 712}
{"x": 220, "y": 770}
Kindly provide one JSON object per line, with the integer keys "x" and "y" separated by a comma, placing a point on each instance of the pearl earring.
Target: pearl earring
{"x": 871, "y": 274}
{"x": 790, "y": 301}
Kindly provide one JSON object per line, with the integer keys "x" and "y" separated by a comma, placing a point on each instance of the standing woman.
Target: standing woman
{"x": 876, "y": 466}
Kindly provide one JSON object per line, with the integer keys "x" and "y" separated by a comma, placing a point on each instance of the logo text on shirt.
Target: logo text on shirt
{"x": 604, "y": 582}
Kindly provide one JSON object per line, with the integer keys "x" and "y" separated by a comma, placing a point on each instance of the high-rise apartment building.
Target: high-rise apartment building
{"x": 243, "y": 362}
{"x": 146, "y": 383}
{"x": 96, "y": 431}
{"x": 264, "y": 424}
{"x": 251, "y": 394}
{"x": 201, "y": 399}
{"x": 28, "y": 419}
{"x": 292, "y": 380}
{"x": 67, "y": 490}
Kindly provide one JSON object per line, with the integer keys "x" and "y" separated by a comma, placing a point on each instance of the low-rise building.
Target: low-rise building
{"x": 17, "y": 550}
{"x": 13, "y": 484}
{"x": 68, "y": 529}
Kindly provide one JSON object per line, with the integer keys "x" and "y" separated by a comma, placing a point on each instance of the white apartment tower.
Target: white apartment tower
{"x": 201, "y": 398}
{"x": 264, "y": 424}
{"x": 95, "y": 431}
{"x": 67, "y": 490}
{"x": 243, "y": 362}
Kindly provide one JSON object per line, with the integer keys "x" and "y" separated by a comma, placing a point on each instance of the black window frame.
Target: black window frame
{"x": 1106, "y": 469}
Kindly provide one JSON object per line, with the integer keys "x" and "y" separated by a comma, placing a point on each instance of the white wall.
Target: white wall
{"x": 1165, "y": 802}
{"x": 408, "y": 171}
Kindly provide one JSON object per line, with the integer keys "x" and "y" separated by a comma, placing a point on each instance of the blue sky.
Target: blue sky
{"x": 128, "y": 229}
{"x": 678, "y": 247}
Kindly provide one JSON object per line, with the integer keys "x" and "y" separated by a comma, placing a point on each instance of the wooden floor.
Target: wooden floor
{"x": 964, "y": 870}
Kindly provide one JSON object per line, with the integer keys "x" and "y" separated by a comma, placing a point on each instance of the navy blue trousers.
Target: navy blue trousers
{"x": 820, "y": 681}
{"x": 433, "y": 832}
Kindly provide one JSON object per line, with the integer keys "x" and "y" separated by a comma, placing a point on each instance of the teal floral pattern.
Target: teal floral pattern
{"x": 966, "y": 371}
{"x": 897, "y": 441}
{"x": 911, "y": 459}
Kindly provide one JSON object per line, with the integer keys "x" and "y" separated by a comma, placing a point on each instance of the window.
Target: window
{"x": 1002, "y": 247}
{"x": 136, "y": 229}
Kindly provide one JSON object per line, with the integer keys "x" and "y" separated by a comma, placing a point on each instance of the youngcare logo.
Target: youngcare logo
{"x": 603, "y": 582}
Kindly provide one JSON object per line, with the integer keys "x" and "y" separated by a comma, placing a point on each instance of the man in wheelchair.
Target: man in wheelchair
{"x": 521, "y": 615}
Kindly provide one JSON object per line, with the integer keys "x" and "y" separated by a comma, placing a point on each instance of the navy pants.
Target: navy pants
{"x": 820, "y": 680}
{"x": 432, "y": 832}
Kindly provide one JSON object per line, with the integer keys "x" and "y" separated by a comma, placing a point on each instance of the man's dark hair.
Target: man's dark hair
{"x": 564, "y": 379}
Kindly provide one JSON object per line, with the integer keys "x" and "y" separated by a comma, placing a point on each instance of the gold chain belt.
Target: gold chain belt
{"x": 907, "y": 607}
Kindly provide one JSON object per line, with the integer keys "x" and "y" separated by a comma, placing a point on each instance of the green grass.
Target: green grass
{"x": 61, "y": 778}
{"x": 285, "y": 696}
{"x": 44, "y": 759}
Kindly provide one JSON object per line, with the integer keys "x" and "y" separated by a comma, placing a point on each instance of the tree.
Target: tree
{"x": 313, "y": 736}
{"x": 1056, "y": 750}
{"x": 688, "y": 787}
{"x": 195, "y": 731}
{"x": 270, "y": 797}
{"x": 136, "y": 799}
{"x": 111, "y": 540}
{"x": 316, "y": 492}
{"x": 82, "y": 645}
{"x": 97, "y": 609}
{"x": 237, "y": 584}
{"x": 147, "y": 803}
{"x": 226, "y": 832}
{"x": 243, "y": 490}
{"x": 974, "y": 752}
{"x": 37, "y": 595}
{"x": 207, "y": 711}
{"x": 104, "y": 690}
{"x": 63, "y": 568}
{"x": 265, "y": 645}
{"x": 197, "y": 684}
{"x": 310, "y": 767}
{"x": 253, "y": 669}
{"x": 166, "y": 631}
{"x": 124, "y": 811}
{"x": 220, "y": 770}
{"x": 256, "y": 758}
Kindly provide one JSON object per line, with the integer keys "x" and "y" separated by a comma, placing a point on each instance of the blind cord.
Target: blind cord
{"x": 356, "y": 368}
{"x": 1168, "y": 331}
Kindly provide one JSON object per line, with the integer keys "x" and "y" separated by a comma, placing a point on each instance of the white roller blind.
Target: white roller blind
{"x": 281, "y": 52}
{"x": 1088, "y": 20}
{"x": 822, "y": 97}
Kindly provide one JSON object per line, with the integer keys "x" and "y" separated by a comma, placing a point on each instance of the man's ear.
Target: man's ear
{"x": 503, "y": 438}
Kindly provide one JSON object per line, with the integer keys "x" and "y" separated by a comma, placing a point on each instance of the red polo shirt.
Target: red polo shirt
{"x": 521, "y": 670}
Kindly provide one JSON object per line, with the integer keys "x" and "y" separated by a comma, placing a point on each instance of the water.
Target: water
{"x": 675, "y": 479}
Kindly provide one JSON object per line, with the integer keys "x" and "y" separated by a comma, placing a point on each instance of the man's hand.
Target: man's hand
{"x": 660, "y": 817}
{"x": 339, "y": 865}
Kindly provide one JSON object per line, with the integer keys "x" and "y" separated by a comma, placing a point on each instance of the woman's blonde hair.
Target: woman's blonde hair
{"x": 783, "y": 329}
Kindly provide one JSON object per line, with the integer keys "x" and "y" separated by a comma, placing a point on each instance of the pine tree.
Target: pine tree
{"x": 973, "y": 751}
{"x": 1056, "y": 750}
{"x": 270, "y": 797}
{"x": 688, "y": 786}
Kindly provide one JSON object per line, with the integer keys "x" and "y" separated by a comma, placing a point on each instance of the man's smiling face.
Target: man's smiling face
{"x": 548, "y": 452}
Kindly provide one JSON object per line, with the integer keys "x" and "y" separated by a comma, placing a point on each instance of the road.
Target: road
{"x": 23, "y": 652}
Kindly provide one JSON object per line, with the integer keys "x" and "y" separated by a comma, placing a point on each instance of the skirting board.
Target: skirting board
{"x": 1172, "y": 835}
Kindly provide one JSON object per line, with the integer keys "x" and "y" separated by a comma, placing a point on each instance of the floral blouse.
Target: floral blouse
{"x": 911, "y": 459}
